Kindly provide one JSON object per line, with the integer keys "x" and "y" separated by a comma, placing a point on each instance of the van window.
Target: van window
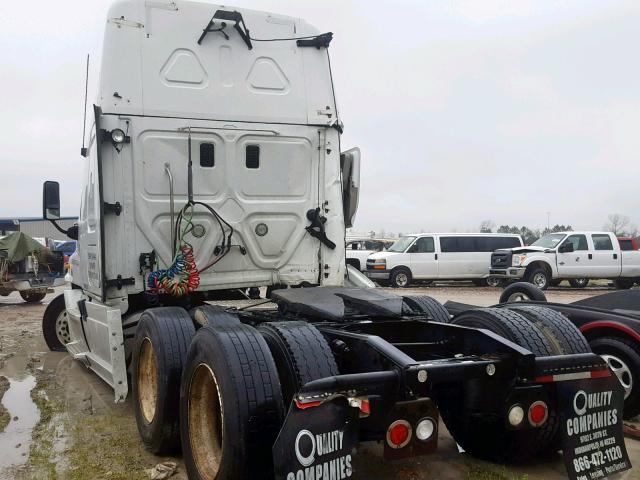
{"x": 602, "y": 241}
{"x": 423, "y": 245}
{"x": 579, "y": 242}
{"x": 489, "y": 244}
{"x": 457, "y": 244}
{"x": 401, "y": 244}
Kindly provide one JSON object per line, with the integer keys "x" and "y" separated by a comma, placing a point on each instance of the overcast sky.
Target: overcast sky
{"x": 464, "y": 111}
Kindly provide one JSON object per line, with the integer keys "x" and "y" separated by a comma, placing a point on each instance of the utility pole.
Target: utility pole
{"x": 548, "y": 221}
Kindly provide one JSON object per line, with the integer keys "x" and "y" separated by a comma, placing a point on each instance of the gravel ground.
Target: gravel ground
{"x": 60, "y": 420}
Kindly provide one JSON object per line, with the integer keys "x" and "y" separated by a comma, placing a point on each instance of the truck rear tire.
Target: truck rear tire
{"x": 301, "y": 354}
{"x": 400, "y": 277}
{"x": 428, "y": 305}
{"x": 229, "y": 385}
{"x": 623, "y": 357}
{"x": 159, "y": 351}
{"x": 564, "y": 336}
{"x": 55, "y": 325}
{"x": 213, "y": 315}
{"x": 32, "y": 296}
{"x": 487, "y": 436}
{"x": 522, "y": 291}
{"x": 578, "y": 282}
{"x": 623, "y": 283}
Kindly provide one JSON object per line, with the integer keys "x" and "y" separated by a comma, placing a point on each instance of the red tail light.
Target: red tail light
{"x": 538, "y": 413}
{"x": 399, "y": 434}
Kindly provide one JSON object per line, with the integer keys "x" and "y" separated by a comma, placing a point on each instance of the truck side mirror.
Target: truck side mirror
{"x": 51, "y": 200}
{"x": 350, "y": 166}
{"x": 566, "y": 248}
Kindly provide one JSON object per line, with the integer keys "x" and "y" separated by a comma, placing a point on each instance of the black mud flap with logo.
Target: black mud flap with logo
{"x": 591, "y": 427}
{"x": 317, "y": 443}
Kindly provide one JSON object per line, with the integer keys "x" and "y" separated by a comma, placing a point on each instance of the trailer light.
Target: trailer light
{"x": 516, "y": 415}
{"x": 399, "y": 434}
{"x": 425, "y": 429}
{"x": 538, "y": 413}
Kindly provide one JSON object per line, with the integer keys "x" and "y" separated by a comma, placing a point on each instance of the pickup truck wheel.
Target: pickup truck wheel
{"x": 623, "y": 283}
{"x": 496, "y": 442}
{"x": 301, "y": 354}
{"x": 579, "y": 282}
{"x": 427, "y": 305}
{"x": 230, "y": 404}
{"x": 400, "y": 277}
{"x": 55, "y": 325}
{"x": 159, "y": 351}
{"x": 521, "y": 292}
{"x": 494, "y": 282}
{"x": 563, "y": 336}
{"x": 623, "y": 357}
{"x": 32, "y": 296}
{"x": 538, "y": 277}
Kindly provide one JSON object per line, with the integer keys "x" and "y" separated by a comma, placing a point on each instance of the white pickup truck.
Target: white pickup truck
{"x": 575, "y": 256}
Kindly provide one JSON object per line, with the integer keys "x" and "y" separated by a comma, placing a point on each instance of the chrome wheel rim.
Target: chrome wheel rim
{"x": 540, "y": 280}
{"x": 402, "y": 279}
{"x": 581, "y": 282}
{"x": 518, "y": 297}
{"x": 493, "y": 282}
{"x": 62, "y": 328}
{"x": 206, "y": 428}
{"x": 622, "y": 371}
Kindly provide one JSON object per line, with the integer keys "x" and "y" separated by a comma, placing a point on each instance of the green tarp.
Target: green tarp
{"x": 17, "y": 246}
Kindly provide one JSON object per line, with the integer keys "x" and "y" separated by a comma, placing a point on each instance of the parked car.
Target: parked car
{"x": 569, "y": 255}
{"x": 359, "y": 249}
{"x": 610, "y": 323}
{"x": 438, "y": 256}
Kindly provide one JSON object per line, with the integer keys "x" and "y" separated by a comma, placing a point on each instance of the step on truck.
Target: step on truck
{"x": 214, "y": 164}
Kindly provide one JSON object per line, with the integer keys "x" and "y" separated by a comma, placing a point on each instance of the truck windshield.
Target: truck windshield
{"x": 401, "y": 244}
{"x": 549, "y": 241}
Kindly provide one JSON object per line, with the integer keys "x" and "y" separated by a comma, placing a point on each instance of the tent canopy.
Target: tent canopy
{"x": 17, "y": 246}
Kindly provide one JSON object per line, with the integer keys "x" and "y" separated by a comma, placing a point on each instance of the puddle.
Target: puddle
{"x": 16, "y": 438}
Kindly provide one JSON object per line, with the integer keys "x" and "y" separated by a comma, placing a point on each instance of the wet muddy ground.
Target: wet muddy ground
{"x": 58, "y": 420}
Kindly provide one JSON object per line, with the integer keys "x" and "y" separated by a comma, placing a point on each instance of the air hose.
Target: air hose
{"x": 182, "y": 277}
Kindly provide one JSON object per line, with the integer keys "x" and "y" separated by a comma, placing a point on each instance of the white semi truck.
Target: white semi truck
{"x": 213, "y": 164}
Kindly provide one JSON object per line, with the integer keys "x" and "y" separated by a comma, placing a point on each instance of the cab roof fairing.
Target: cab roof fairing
{"x": 153, "y": 65}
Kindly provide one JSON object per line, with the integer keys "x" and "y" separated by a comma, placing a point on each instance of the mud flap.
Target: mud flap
{"x": 97, "y": 340}
{"x": 591, "y": 427}
{"x": 317, "y": 442}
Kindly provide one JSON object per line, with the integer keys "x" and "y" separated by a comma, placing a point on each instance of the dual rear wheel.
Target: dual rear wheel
{"x": 543, "y": 332}
{"x": 234, "y": 385}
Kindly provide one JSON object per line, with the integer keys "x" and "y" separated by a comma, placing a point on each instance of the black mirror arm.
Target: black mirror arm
{"x": 71, "y": 232}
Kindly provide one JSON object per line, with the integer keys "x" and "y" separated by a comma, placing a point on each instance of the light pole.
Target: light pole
{"x": 548, "y": 221}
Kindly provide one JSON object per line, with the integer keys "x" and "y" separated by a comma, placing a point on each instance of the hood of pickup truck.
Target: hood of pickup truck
{"x": 524, "y": 249}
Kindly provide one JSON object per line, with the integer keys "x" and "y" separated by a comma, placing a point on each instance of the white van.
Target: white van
{"x": 439, "y": 256}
